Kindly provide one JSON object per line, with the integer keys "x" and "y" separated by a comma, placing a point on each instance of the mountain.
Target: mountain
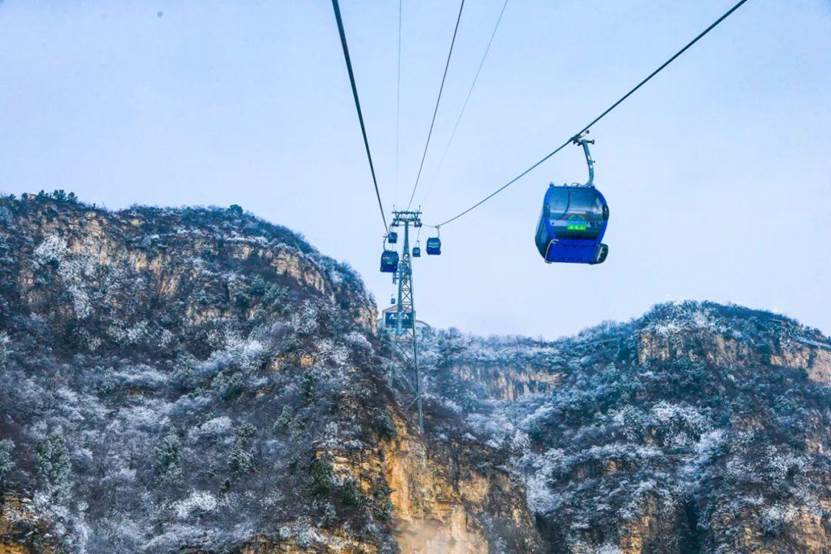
{"x": 198, "y": 380}
{"x": 695, "y": 428}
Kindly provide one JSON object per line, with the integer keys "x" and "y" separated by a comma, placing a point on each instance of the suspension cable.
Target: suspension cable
{"x": 467, "y": 99}
{"x": 596, "y": 119}
{"x": 398, "y": 101}
{"x": 438, "y": 100}
{"x": 358, "y": 108}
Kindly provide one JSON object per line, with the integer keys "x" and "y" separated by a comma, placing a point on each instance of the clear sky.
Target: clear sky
{"x": 718, "y": 172}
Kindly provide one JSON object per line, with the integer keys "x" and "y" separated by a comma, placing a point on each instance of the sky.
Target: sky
{"x": 717, "y": 172}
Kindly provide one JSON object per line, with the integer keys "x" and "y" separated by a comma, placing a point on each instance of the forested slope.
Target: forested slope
{"x": 199, "y": 380}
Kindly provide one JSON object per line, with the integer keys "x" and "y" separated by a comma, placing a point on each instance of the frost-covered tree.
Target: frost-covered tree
{"x": 4, "y": 341}
{"x": 168, "y": 458}
{"x": 6, "y": 461}
{"x": 229, "y": 385}
{"x": 54, "y": 465}
{"x": 241, "y": 460}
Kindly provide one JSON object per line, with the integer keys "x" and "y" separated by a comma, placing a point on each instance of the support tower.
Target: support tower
{"x": 405, "y": 320}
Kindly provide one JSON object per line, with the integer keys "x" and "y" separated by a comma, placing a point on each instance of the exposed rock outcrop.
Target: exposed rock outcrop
{"x": 696, "y": 428}
{"x": 198, "y": 380}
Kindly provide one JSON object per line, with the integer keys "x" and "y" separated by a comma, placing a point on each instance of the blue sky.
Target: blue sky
{"x": 717, "y": 173}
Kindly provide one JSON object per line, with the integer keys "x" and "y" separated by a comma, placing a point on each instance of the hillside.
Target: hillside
{"x": 199, "y": 380}
{"x": 695, "y": 428}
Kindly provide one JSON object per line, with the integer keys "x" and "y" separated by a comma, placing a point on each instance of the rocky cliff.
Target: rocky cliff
{"x": 198, "y": 380}
{"x": 201, "y": 381}
{"x": 695, "y": 428}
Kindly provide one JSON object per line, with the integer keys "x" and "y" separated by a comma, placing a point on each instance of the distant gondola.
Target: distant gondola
{"x": 392, "y": 237}
{"x": 434, "y": 246}
{"x": 389, "y": 261}
{"x": 416, "y": 252}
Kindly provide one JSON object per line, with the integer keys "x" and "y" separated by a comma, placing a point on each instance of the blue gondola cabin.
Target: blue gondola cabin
{"x": 572, "y": 225}
{"x": 434, "y": 246}
{"x": 389, "y": 261}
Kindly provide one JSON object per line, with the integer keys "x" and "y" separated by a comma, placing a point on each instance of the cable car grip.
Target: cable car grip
{"x": 584, "y": 142}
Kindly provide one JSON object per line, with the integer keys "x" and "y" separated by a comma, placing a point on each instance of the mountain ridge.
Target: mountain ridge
{"x": 697, "y": 427}
{"x": 198, "y": 380}
{"x": 194, "y": 380}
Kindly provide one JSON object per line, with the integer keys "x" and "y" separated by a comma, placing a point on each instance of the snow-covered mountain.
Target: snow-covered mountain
{"x": 695, "y": 428}
{"x": 198, "y": 380}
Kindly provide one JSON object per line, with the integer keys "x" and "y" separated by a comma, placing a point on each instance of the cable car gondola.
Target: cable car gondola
{"x": 573, "y": 220}
{"x": 434, "y": 246}
{"x": 392, "y": 237}
{"x": 389, "y": 261}
{"x": 416, "y": 252}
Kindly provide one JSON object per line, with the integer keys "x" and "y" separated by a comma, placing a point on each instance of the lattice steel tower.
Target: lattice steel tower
{"x": 405, "y": 320}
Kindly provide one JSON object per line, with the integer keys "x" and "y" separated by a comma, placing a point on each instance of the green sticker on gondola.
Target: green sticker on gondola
{"x": 576, "y": 227}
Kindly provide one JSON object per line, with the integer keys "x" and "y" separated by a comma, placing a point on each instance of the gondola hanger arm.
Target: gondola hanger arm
{"x": 584, "y": 142}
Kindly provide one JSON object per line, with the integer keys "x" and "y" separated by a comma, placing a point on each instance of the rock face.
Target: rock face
{"x": 696, "y": 428}
{"x": 198, "y": 380}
